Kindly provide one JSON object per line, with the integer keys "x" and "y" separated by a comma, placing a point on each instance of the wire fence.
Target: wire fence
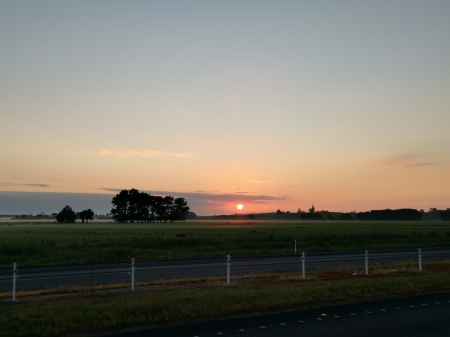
{"x": 95, "y": 274}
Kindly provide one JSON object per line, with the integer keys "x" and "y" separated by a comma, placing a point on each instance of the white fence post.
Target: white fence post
{"x": 228, "y": 269}
{"x": 14, "y": 282}
{"x": 367, "y": 262}
{"x": 303, "y": 266}
{"x": 295, "y": 246}
{"x": 132, "y": 274}
{"x": 420, "y": 259}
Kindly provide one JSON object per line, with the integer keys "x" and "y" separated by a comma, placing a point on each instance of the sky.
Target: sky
{"x": 272, "y": 104}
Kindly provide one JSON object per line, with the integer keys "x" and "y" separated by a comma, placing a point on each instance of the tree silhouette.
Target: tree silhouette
{"x": 67, "y": 215}
{"x": 445, "y": 215}
{"x": 135, "y": 206}
{"x": 180, "y": 209}
{"x": 312, "y": 209}
{"x": 86, "y": 215}
{"x": 120, "y": 206}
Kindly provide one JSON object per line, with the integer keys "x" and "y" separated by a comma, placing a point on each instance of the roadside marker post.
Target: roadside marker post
{"x": 420, "y": 259}
{"x": 367, "y": 262}
{"x": 14, "y": 283}
{"x": 132, "y": 274}
{"x": 228, "y": 269}
{"x": 303, "y": 266}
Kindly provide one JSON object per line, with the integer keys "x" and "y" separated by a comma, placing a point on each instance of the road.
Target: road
{"x": 425, "y": 315}
{"x": 33, "y": 278}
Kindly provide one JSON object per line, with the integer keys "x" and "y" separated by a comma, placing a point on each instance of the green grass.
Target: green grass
{"x": 259, "y": 294}
{"x": 44, "y": 243}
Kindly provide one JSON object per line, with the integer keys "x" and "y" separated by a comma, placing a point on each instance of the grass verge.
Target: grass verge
{"x": 161, "y": 303}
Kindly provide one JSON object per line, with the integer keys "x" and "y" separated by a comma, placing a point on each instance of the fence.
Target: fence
{"x": 33, "y": 278}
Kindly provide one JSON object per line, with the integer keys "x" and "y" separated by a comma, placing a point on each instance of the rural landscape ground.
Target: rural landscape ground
{"x": 69, "y": 310}
{"x": 36, "y": 243}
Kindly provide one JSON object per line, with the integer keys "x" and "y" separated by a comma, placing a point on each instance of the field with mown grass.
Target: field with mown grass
{"x": 44, "y": 242}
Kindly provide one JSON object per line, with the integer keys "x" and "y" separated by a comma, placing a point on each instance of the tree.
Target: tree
{"x": 432, "y": 210}
{"x": 445, "y": 215}
{"x": 191, "y": 215}
{"x": 180, "y": 210}
{"x": 67, "y": 215}
{"x": 120, "y": 206}
{"x": 158, "y": 208}
{"x": 279, "y": 212}
{"x": 86, "y": 215}
{"x": 168, "y": 211}
{"x": 312, "y": 209}
{"x": 54, "y": 215}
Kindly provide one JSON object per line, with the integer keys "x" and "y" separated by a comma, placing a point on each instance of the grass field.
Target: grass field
{"x": 45, "y": 243}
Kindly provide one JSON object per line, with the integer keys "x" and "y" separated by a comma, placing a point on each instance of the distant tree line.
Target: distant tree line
{"x": 134, "y": 206}
{"x": 390, "y": 214}
{"x": 445, "y": 215}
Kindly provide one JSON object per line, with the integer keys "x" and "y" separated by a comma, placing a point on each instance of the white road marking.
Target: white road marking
{"x": 319, "y": 319}
{"x": 437, "y": 302}
{"x": 336, "y": 316}
{"x": 301, "y": 322}
{"x": 282, "y": 324}
{"x": 353, "y": 314}
{"x": 263, "y": 327}
{"x": 368, "y": 312}
{"x": 397, "y": 308}
{"x": 241, "y": 330}
{"x": 411, "y": 306}
{"x": 383, "y": 310}
{"x": 424, "y": 304}
{"x": 219, "y": 333}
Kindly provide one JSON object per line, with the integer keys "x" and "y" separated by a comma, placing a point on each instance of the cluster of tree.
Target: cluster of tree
{"x": 311, "y": 214}
{"x": 68, "y": 215}
{"x": 390, "y": 214}
{"x": 342, "y": 216}
{"x": 85, "y": 215}
{"x": 235, "y": 216}
{"x": 445, "y": 215}
{"x": 135, "y": 206}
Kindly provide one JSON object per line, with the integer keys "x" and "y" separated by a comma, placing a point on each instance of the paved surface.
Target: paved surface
{"x": 426, "y": 315}
{"x": 32, "y": 278}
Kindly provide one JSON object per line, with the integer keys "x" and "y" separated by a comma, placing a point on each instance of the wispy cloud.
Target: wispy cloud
{"x": 142, "y": 153}
{"x": 180, "y": 155}
{"x": 261, "y": 182}
{"x": 213, "y": 197}
{"x": 128, "y": 153}
{"x": 405, "y": 160}
{"x": 33, "y": 185}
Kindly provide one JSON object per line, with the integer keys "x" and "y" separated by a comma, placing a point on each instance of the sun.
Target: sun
{"x": 240, "y": 206}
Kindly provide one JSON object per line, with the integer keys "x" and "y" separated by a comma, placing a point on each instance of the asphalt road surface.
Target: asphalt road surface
{"x": 33, "y": 278}
{"x": 426, "y": 315}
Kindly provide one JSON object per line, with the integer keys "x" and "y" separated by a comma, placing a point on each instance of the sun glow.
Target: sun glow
{"x": 240, "y": 206}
